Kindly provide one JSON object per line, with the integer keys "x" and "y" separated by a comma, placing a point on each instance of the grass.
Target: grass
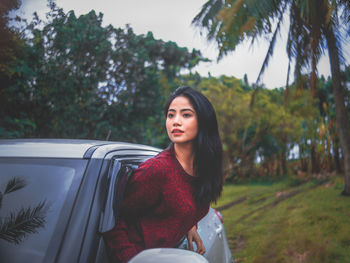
{"x": 287, "y": 222}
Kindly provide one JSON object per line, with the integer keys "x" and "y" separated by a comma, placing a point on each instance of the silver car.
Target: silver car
{"x": 57, "y": 196}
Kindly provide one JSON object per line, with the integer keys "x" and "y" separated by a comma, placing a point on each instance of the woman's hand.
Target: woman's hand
{"x": 193, "y": 235}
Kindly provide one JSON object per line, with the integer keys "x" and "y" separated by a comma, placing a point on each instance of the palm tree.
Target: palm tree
{"x": 315, "y": 26}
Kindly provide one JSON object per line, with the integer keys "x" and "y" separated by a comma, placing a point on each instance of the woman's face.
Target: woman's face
{"x": 181, "y": 121}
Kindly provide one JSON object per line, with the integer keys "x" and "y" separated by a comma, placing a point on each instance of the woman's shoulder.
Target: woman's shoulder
{"x": 157, "y": 163}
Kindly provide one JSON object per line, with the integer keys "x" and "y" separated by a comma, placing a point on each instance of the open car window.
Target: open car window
{"x": 120, "y": 170}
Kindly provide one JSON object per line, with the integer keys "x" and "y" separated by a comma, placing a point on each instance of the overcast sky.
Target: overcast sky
{"x": 170, "y": 20}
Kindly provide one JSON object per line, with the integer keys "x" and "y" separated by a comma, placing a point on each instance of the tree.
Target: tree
{"x": 7, "y": 35}
{"x": 315, "y": 25}
{"x": 75, "y": 78}
{"x": 265, "y": 133}
{"x": 11, "y": 47}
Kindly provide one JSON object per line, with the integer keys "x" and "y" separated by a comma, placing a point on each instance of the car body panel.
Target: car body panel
{"x": 50, "y": 148}
{"x": 58, "y": 148}
{"x": 213, "y": 235}
{"x": 168, "y": 255}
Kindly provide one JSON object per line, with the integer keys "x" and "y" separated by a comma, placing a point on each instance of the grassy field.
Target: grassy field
{"x": 287, "y": 222}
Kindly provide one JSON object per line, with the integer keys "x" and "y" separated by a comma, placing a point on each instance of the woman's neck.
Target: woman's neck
{"x": 185, "y": 155}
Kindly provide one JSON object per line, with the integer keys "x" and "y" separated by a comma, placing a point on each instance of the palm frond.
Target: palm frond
{"x": 339, "y": 37}
{"x": 15, "y": 184}
{"x": 290, "y": 57}
{"x": 26, "y": 221}
{"x": 345, "y": 15}
{"x": 286, "y": 92}
{"x": 298, "y": 41}
{"x": 271, "y": 45}
{"x": 206, "y": 18}
{"x": 232, "y": 21}
{"x": 289, "y": 50}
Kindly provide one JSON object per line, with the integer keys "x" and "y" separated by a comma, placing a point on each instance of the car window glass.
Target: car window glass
{"x": 33, "y": 194}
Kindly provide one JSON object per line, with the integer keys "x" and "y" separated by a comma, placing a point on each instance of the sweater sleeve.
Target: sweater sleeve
{"x": 143, "y": 190}
{"x": 120, "y": 249}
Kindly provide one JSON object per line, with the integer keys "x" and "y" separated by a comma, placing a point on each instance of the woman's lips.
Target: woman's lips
{"x": 177, "y": 132}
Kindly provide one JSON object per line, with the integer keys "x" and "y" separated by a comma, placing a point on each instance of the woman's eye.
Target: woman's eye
{"x": 187, "y": 115}
{"x": 170, "y": 115}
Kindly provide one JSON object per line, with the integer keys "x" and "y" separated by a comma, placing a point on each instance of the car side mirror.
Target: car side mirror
{"x": 168, "y": 255}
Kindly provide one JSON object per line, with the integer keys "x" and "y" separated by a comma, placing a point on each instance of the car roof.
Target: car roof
{"x": 65, "y": 148}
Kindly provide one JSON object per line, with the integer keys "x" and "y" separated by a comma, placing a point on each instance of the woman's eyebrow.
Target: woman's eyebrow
{"x": 187, "y": 109}
{"x": 182, "y": 110}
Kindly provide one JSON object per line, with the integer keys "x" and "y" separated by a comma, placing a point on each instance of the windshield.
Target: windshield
{"x": 36, "y": 197}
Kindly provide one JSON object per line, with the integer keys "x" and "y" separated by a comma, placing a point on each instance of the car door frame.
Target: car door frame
{"x": 75, "y": 234}
{"x": 101, "y": 215}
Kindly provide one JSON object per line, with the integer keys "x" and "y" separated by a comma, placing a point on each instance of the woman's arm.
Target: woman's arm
{"x": 143, "y": 190}
{"x": 193, "y": 236}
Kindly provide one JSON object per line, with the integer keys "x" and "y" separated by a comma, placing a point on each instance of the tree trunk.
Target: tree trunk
{"x": 283, "y": 164}
{"x": 340, "y": 109}
{"x": 284, "y": 156}
{"x": 336, "y": 150}
{"x": 329, "y": 160}
{"x": 315, "y": 164}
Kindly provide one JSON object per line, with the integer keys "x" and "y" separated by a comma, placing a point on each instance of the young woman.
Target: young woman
{"x": 169, "y": 193}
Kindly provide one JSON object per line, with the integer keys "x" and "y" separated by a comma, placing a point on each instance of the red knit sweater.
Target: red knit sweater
{"x": 158, "y": 208}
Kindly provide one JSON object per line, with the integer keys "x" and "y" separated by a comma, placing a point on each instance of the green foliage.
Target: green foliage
{"x": 75, "y": 78}
{"x": 315, "y": 26}
{"x": 72, "y": 77}
{"x": 277, "y": 136}
{"x": 254, "y": 138}
{"x": 8, "y": 37}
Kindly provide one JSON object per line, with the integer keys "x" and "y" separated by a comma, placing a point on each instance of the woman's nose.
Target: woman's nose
{"x": 177, "y": 120}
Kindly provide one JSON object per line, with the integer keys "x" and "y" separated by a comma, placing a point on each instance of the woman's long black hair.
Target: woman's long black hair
{"x": 207, "y": 164}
